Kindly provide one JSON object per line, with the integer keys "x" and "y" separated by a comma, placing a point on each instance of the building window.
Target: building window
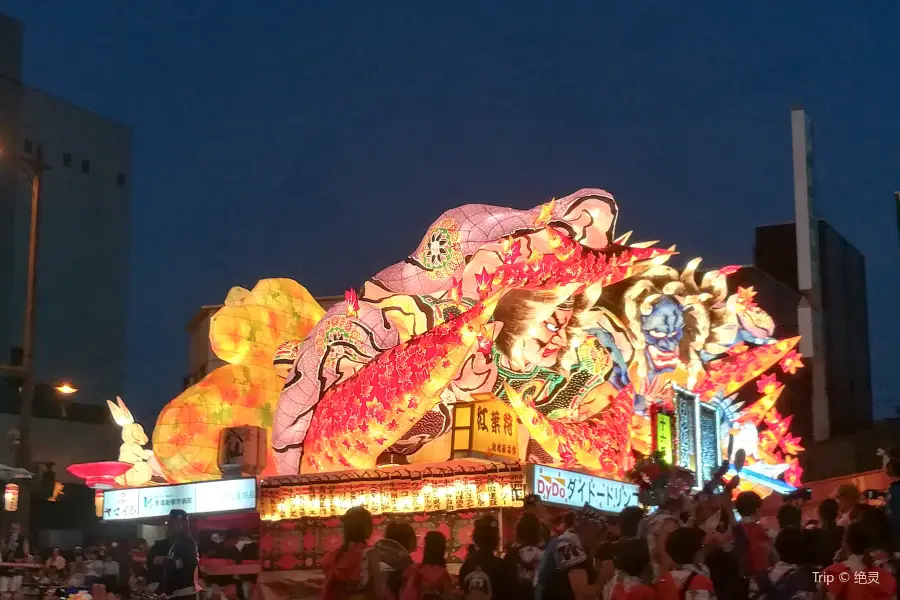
{"x": 120, "y": 179}
{"x": 85, "y": 166}
{"x": 67, "y": 159}
{"x": 28, "y": 147}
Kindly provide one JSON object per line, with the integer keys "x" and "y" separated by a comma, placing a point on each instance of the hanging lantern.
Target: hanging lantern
{"x": 11, "y": 497}
{"x": 98, "y": 503}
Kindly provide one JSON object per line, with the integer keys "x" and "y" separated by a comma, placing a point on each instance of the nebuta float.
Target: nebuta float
{"x": 590, "y": 349}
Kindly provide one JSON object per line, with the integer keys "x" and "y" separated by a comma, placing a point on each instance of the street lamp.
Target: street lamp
{"x": 35, "y": 167}
{"x": 66, "y": 389}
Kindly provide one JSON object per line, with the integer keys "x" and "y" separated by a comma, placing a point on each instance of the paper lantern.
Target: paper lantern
{"x": 11, "y": 497}
{"x": 251, "y": 331}
{"x": 98, "y": 503}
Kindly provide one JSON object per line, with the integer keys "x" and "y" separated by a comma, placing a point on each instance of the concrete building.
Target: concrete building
{"x": 84, "y": 233}
{"x": 62, "y": 434}
{"x": 202, "y": 360}
{"x": 845, "y": 327}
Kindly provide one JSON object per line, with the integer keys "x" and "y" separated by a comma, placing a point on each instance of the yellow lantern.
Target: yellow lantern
{"x": 98, "y": 503}
{"x": 11, "y": 497}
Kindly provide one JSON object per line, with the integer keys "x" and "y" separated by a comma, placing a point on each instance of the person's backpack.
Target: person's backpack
{"x": 345, "y": 571}
{"x": 793, "y": 583}
{"x": 772, "y": 590}
{"x": 477, "y": 586}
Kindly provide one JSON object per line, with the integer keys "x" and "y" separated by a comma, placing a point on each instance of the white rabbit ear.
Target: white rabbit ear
{"x": 116, "y": 413}
{"x": 126, "y": 414}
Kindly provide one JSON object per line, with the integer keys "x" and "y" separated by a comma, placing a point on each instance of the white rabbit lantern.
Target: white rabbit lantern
{"x": 132, "y": 449}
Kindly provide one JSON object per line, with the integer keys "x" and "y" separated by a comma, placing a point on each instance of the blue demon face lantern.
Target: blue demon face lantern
{"x": 664, "y": 327}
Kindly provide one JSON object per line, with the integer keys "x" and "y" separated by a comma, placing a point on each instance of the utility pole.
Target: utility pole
{"x": 36, "y": 167}
{"x": 897, "y": 207}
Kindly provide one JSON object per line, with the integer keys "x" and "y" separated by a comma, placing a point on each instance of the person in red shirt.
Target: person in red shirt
{"x": 353, "y": 571}
{"x": 429, "y": 580}
{"x": 858, "y": 577}
{"x": 689, "y": 580}
{"x": 749, "y": 540}
{"x": 632, "y": 561}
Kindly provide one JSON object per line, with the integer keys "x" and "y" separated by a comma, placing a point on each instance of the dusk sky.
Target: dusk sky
{"x": 318, "y": 140}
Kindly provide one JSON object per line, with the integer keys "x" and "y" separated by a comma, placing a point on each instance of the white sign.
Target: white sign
{"x": 568, "y": 488}
{"x": 193, "y": 498}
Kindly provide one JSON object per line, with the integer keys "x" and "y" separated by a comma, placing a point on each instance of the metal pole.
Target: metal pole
{"x": 897, "y": 208}
{"x": 24, "y": 457}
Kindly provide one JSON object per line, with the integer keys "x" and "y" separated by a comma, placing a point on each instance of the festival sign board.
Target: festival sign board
{"x": 577, "y": 490}
{"x": 664, "y": 442}
{"x": 225, "y": 495}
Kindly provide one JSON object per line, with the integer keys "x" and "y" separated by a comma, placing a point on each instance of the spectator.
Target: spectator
{"x": 78, "y": 569}
{"x": 750, "y": 541}
{"x": 789, "y": 577}
{"x": 656, "y": 529}
{"x": 686, "y": 579}
{"x": 849, "y": 503}
{"x": 535, "y": 507}
{"x": 429, "y": 580}
{"x": 156, "y": 558}
{"x": 398, "y": 543}
{"x": 832, "y": 533}
{"x": 111, "y": 573}
{"x": 353, "y": 570}
{"x": 632, "y": 561}
{"x": 858, "y": 576}
{"x": 789, "y": 515}
{"x": 483, "y": 574}
{"x": 630, "y": 520}
{"x": 892, "y": 469}
{"x": 876, "y": 523}
{"x": 56, "y": 562}
{"x": 566, "y": 571}
{"x": 524, "y": 556}
{"x": 94, "y": 568}
{"x": 180, "y": 568}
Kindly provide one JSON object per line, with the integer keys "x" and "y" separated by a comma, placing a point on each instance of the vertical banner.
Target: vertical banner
{"x": 698, "y": 444}
{"x": 809, "y": 313}
{"x": 664, "y": 436}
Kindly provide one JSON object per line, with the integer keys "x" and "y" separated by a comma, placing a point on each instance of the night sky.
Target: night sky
{"x": 318, "y": 140}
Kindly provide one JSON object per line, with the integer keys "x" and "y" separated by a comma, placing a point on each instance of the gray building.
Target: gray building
{"x": 82, "y": 292}
{"x": 844, "y": 306}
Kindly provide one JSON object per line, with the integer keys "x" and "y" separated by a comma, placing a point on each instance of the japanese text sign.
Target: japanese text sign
{"x": 556, "y": 486}
{"x": 495, "y": 430}
{"x": 194, "y": 498}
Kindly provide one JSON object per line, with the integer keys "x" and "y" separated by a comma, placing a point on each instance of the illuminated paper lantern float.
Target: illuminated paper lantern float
{"x": 589, "y": 338}
{"x": 251, "y": 331}
{"x": 585, "y": 336}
